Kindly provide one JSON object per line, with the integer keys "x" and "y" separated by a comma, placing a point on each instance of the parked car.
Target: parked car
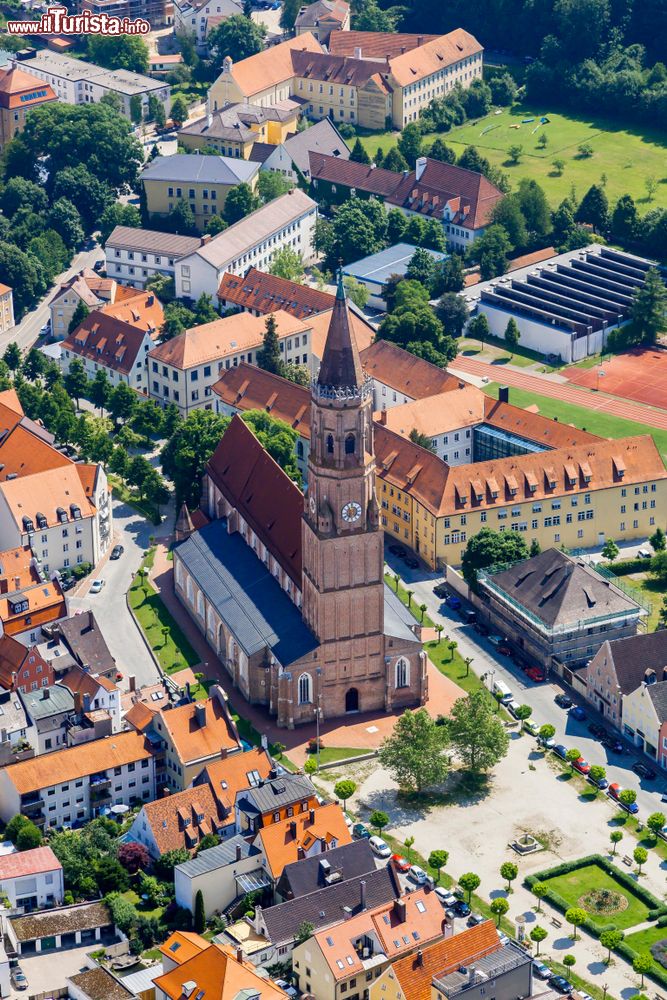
{"x": 547, "y": 744}
{"x": 536, "y": 674}
{"x": 578, "y": 713}
{"x": 119, "y": 676}
{"x": 360, "y": 832}
{"x": 480, "y": 627}
{"x": 596, "y": 730}
{"x": 644, "y": 771}
{"x": 379, "y": 847}
{"x": 452, "y": 601}
{"x": 287, "y": 988}
{"x": 513, "y": 708}
{"x": 581, "y": 765}
{"x": 67, "y": 583}
{"x": 96, "y": 586}
{"x": 402, "y": 864}
{"x": 563, "y": 700}
{"x": 614, "y": 792}
{"x": 440, "y": 590}
{"x": 644, "y": 554}
{"x": 99, "y": 265}
{"x": 19, "y": 980}
{"x": 541, "y": 970}
{"x": 503, "y": 938}
{"x": 474, "y": 919}
{"x": 560, "y": 751}
{"x": 560, "y": 984}
{"x": 504, "y": 647}
{"x": 531, "y": 728}
{"x": 397, "y": 550}
{"x": 418, "y": 875}
{"x": 613, "y": 743}
{"x": 116, "y": 552}
{"x": 601, "y": 783}
{"x": 411, "y": 562}
{"x": 445, "y": 896}
{"x": 469, "y": 617}
{"x": 460, "y": 909}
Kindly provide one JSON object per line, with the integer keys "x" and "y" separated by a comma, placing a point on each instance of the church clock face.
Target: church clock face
{"x": 351, "y": 512}
{"x": 312, "y": 504}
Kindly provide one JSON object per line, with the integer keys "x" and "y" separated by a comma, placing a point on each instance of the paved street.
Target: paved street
{"x": 27, "y": 331}
{"x": 110, "y": 606}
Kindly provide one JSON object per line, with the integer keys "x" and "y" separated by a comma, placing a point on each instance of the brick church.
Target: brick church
{"x": 289, "y": 590}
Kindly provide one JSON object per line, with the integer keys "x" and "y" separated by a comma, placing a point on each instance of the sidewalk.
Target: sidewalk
{"x": 364, "y": 731}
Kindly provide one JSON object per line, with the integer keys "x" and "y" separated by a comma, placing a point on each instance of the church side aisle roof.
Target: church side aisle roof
{"x": 398, "y": 621}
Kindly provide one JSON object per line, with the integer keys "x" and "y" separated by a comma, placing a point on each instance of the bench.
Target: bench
{"x": 658, "y": 996}
{"x": 556, "y": 922}
{"x": 627, "y": 861}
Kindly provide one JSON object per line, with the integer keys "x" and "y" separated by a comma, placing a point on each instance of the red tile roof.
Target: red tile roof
{"x": 375, "y": 44}
{"x": 415, "y": 973}
{"x": 266, "y": 293}
{"x": 349, "y": 173}
{"x": 40, "y": 859}
{"x": 16, "y": 84}
{"x": 247, "y": 387}
{"x": 174, "y": 820}
{"x": 472, "y": 196}
{"x": 405, "y": 372}
{"x": 108, "y": 341}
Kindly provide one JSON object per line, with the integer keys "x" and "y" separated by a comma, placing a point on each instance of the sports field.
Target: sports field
{"x": 640, "y": 374}
{"x": 626, "y": 157}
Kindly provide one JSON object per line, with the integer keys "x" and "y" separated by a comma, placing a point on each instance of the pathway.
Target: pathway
{"x": 546, "y": 385}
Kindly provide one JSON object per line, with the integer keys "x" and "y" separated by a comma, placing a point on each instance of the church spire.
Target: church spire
{"x": 341, "y": 364}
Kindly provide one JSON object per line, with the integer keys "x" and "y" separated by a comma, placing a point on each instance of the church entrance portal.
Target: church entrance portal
{"x": 352, "y": 700}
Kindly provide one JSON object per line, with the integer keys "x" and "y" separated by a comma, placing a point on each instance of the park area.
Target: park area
{"x": 628, "y": 158}
{"x": 601, "y": 895}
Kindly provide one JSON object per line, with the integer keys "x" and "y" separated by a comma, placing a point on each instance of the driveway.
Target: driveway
{"x": 121, "y": 632}
{"x": 45, "y": 973}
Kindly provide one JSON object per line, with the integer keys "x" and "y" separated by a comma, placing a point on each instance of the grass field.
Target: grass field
{"x": 626, "y": 156}
{"x": 168, "y": 642}
{"x": 578, "y": 883}
{"x": 594, "y": 421}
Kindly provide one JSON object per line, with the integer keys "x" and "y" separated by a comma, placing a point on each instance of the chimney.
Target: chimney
{"x": 238, "y": 852}
{"x": 46, "y": 694}
{"x": 420, "y": 958}
{"x": 150, "y": 300}
{"x": 420, "y": 167}
{"x": 357, "y": 52}
{"x": 420, "y": 39}
{"x": 402, "y": 49}
{"x": 239, "y": 954}
{"x": 206, "y": 239}
{"x": 311, "y": 815}
{"x": 17, "y": 582}
{"x": 503, "y": 394}
{"x": 292, "y": 829}
{"x": 300, "y": 853}
{"x": 223, "y": 753}
{"x": 383, "y": 416}
{"x": 347, "y": 912}
{"x": 132, "y": 682}
{"x": 362, "y": 894}
{"x": 86, "y": 702}
{"x": 399, "y": 910}
{"x": 200, "y": 714}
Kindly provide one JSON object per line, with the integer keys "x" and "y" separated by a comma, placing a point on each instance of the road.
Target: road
{"x": 27, "y": 331}
{"x": 121, "y": 632}
{"x": 559, "y": 388}
{"x": 540, "y": 697}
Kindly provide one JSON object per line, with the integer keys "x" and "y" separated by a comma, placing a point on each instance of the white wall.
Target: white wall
{"x": 46, "y": 886}
{"x": 136, "y": 378}
{"x": 133, "y": 267}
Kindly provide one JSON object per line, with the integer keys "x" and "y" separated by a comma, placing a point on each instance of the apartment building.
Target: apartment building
{"x": 271, "y": 801}
{"x": 102, "y": 343}
{"x": 135, "y": 255}
{"x": 29, "y": 598}
{"x": 32, "y": 880}
{"x": 259, "y": 293}
{"x": 184, "y": 370}
{"x": 49, "y": 709}
{"x": 63, "y": 787}
{"x": 287, "y": 221}
{"x": 323, "y": 17}
{"x": 20, "y": 92}
{"x": 196, "y": 17}
{"x": 74, "y": 81}
{"x": 6, "y": 308}
{"x": 159, "y": 13}
{"x": 88, "y": 287}
{"x": 233, "y": 130}
{"x": 202, "y": 181}
{"x": 400, "y": 377}
{"x": 220, "y": 972}
{"x": 448, "y": 420}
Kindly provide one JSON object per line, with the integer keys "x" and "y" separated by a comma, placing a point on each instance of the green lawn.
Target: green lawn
{"x": 494, "y": 351}
{"x": 170, "y": 647}
{"x": 403, "y": 596}
{"x": 141, "y": 905}
{"x": 330, "y": 755}
{"x": 576, "y": 884}
{"x": 455, "y": 668}
{"x": 595, "y": 421}
{"x": 626, "y": 156}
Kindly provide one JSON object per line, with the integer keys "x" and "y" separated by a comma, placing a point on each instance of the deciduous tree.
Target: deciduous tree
{"x": 476, "y": 734}
{"x": 414, "y": 753}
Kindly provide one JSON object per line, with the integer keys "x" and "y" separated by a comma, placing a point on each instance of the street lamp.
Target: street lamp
{"x": 318, "y": 715}
{"x": 605, "y": 987}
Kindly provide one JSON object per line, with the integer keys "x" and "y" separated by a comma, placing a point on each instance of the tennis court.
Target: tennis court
{"x": 640, "y": 374}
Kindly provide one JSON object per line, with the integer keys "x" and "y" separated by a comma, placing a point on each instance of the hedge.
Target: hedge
{"x": 625, "y": 566}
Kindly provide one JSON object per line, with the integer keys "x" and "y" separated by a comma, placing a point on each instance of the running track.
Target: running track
{"x": 563, "y": 391}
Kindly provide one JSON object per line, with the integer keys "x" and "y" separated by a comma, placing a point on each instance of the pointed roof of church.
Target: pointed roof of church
{"x": 341, "y": 364}
{"x": 184, "y": 525}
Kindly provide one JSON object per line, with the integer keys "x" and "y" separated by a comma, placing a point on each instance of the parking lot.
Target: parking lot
{"x": 44, "y": 974}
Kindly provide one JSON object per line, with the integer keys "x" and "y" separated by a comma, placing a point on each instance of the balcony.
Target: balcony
{"x": 100, "y": 780}
{"x": 32, "y": 805}
{"x": 100, "y": 795}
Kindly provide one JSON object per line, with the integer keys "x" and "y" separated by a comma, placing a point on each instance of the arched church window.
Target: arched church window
{"x": 330, "y": 444}
{"x": 305, "y": 689}
{"x": 299, "y": 449}
{"x": 402, "y": 673}
{"x": 350, "y": 442}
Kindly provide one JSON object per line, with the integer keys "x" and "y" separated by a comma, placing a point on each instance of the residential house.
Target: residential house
{"x": 272, "y": 801}
{"x": 22, "y": 668}
{"x": 219, "y": 973}
{"x": 259, "y": 293}
{"x": 176, "y": 822}
{"x": 184, "y": 370}
{"x": 287, "y": 221}
{"x": 229, "y": 776}
{"x": 323, "y": 17}
{"x": 221, "y": 874}
{"x": 624, "y": 681}
{"x": 80, "y": 782}
{"x": 75, "y": 81}
{"x": 309, "y": 875}
{"x": 15, "y": 728}
{"x": 48, "y": 711}
{"x": 6, "y": 303}
{"x": 97, "y": 983}
{"x": 291, "y": 158}
{"x": 180, "y": 947}
{"x": 400, "y": 377}
{"x": 304, "y": 835}
{"x": 195, "y": 18}
{"x": 234, "y": 129}
{"x": 20, "y": 92}
{"x": 78, "y": 641}
{"x": 556, "y": 609}
{"x": 88, "y": 287}
{"x": 333, "y": 180}
{"x": 202, "y": 181}
{"x": 135, "y": 255}
{"x": 194, "y": 735}
{"x": 343, "y": 960}
{"x": 448, "y": 420}
{"x": 373, "y": 272}
{"x": 94, "y": 695}
{"x": 160, "y": 65}
{"x": 32, "y": 880}
{"x": 104, "y": 343}
{"x": 29, "y": 600}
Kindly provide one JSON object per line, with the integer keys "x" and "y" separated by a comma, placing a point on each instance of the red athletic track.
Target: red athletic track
{"x": 639, "y": 375}
{"x": 561, "y": 390}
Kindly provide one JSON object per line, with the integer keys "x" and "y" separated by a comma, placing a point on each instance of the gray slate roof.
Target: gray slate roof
{"x": 658, "y": 695}
{"x": 48, "y": 701}
{"x": 84, "y": 639}
{"x": 377, "y": 268}
{"x": 152, "y": 241}
{"x": 276, "y": 793}
{"x": 310, "y": 874}
{"x": 398, "y": 621}
{"x": 193, "y": 168}
{"x": 244, "y": 594}
{"x": 633, "y": 656}
{"x": 218, "y": 857}
{"x": 323, "y": 137}
{"x": 326, "y": 906}
{"x": 561, "y": 590}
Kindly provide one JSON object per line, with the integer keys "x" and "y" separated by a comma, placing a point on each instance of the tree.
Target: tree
{"x": 410, "y": 142}
{"x": 437, "y": 861}
{"x": 271, "y": 184}
{"x": 597, "y": 773}
{"x": 514, "y": 152}
{"x": 21, "y": 193}
{"x": 414, "y": 751}
{"x": 179, "y": 110}
{"x": 287, "y": 263}
{"x": 378, "y": 820}
{"x": 268, "y": 356}
{"x": 627, "y": 797}
{"x": 235, "y": 35}
{"x": 358, "y": 229}
{"x": 469, "y": 881}
{"x": 648, "y": 311}
{"x": 535, "y": 548}
{"x": 499, "y": 907}
{"x": 122, "y": 910}
{"x": 491, "y": 251}
{"x": 83, "y": 189}
{"x": 452, "y": 312}
{"x": 594, "y": 209}
{"x": 187, "y": 451}
{"x": 610, "y": 940}
{"x": 642, "y": 964}
{"x": 24, "y": 273}
{"x": 538, "y": 935}
{"x": 624, "y": 219}
{"x": 451, "y": 277}
{"x": 640, "y": 854}
{"x": 575, "y": 916}
{"x": 110, "y": 875}
{"x": 241, "y": 200}
{"x": 28, "y": 837}
{"x": 200, "y": 913}
{"x": 133, "y": 856}
{"x": 523, "y": 713}
{"x": 421, "y": 267}
{"x": 304, "y": 932}
{"x": 559, "y": 165}
{"x": 371, "y": 17}
{"x": 610, "y": 550}
{"x": 658, "y": 540}
{"x": 616, "y": 836}
{"x": 12, "y": 356}
{"x": 569, "y": 961}
{"x": 356, "y": 291}
{"x": 540, "y": 889}
{"x": 65, "y": 220}
{"x": 310, "y": 766}
{"x": 573, "y": 754}
{"x": 76, "y": 381}
{"x": 208, "y": 841}
{"x": 163, "y": 867}
{"x": 476, "y": 734}
{"x": 509, "y": 871}
{"x": 122, "y": 402}
{"x": 508, "y": 214}
{"x": 345, "y": 789}
{"x": 512, "y": 334}
{"x": 655, "y": 823}
{"x": 440, "y": 151}
{"x": 488, "y": 548}
{"x": 78, "y": 316}
{"x": 547, "y": 732}
{"x": 181, "y": 219}
{"x": 359, "y": 154}
{"x": 119, "y": 52}
{"x": 394, "y": 160}
{"x": 651, "y": 186}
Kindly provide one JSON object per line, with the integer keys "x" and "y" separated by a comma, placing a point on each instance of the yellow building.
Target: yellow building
{"x": 6, "y": 308}
{"x": 233, "y": 130}
{"x": 203, "y": 182}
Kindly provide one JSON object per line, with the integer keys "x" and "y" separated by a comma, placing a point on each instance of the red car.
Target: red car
{"x": 400, "y": 863}
{"x": 536, "y": 674}
{"x": 504, "y": 648}
{"x": 581, "y": 765}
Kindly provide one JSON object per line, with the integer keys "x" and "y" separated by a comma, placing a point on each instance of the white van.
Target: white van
{"x": 379, "y": 847}
{"x": 501, "y": 690}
